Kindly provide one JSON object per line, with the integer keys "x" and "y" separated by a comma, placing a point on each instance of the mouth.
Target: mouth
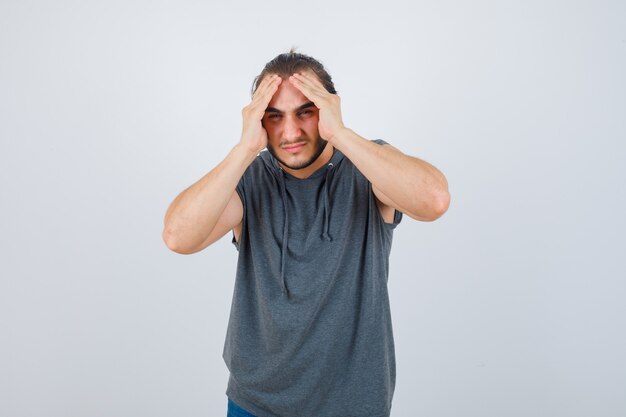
{"x": 295, "y": 147}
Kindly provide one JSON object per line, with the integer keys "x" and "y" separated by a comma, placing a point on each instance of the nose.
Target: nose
{"x": 291, "y": 128}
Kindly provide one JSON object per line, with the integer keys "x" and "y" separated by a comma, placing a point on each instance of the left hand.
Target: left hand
{"x": 329, "y": 105}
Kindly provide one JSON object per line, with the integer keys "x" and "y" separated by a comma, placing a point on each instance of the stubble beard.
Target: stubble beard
{"x": 321, "y": 145}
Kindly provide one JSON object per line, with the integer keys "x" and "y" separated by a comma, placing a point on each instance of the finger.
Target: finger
{"x": 310, "y": 91}
{"x": 266, "y": 87}
{"x": 264, "y": 96}
{"x": 310, "y": 80}
{"x": 266, "y": 84}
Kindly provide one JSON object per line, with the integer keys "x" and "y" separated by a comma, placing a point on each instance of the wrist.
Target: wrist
{"x": 244, "y": 154}
{"x": 338, "y": 136}
{"x": 332, "y": 136}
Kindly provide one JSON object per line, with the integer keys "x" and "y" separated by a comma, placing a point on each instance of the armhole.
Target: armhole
{"x": 397, "y": 215}
{"x": 234, "y": 240}
{"x": 397, "y": 218}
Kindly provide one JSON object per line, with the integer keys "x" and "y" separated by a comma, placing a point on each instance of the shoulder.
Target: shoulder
{"x": 258, "y": 169}
{"x": 258, "y": 178}
{"x": 349, "y": 167}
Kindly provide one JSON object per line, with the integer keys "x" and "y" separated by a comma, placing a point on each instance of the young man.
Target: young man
{"x": 310, "y": 331}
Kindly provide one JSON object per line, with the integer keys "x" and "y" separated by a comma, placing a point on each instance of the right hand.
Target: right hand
{"x": 254, "y": 136}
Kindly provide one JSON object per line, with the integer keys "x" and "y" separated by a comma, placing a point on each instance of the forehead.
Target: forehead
{"x": 287, "y": 97}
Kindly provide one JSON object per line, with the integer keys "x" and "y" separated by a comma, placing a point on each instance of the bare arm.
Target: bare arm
{"x": 399, "y": 181}
{"x": 208, "y": 209}
{"x": 408, "y": 184}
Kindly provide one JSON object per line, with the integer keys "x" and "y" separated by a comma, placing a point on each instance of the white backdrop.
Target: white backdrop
{"x": 511, "y": 304}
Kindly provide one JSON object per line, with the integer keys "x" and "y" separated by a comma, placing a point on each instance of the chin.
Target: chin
{"x": 301, "y": 161}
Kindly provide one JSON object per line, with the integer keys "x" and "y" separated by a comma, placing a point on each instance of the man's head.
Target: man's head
{"x": 291, "y": 119}
{"x": 291, "y": 62}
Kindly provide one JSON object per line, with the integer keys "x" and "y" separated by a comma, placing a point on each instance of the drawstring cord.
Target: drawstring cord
{"x": 283, "y": 252}
{"x": 325, "y": 235}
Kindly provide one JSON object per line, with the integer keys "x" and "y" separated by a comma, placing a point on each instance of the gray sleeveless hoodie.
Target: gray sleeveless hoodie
{"x": 310, "y": 331}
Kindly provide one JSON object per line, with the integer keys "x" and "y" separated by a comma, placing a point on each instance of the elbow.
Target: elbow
{"x": 437, "y": 208}
{"x": 442, "y": 204}
{"x": 169, "y": 238}
{"x": 437, "y": 202}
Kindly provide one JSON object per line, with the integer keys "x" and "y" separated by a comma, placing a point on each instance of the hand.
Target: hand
{"x": 330, "y": 122}
{"x": 253, "y": 135}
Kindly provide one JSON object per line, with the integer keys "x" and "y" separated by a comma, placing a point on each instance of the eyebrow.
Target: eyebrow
{"x": 304, "y": 106}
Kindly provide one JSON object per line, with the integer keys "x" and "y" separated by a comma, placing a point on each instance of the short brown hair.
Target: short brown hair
{"x": 290, "y": 62}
